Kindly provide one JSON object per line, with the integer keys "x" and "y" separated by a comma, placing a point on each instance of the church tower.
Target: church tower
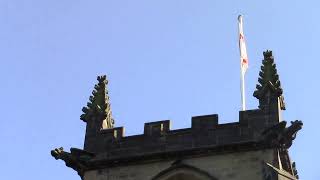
{"x": 254, "y": 148}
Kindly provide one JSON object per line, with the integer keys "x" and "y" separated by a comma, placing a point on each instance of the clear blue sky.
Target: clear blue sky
{"x": 164, "y": 60}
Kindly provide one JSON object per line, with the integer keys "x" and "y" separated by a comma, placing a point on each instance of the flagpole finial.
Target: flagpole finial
{"x": 240, "y": 17}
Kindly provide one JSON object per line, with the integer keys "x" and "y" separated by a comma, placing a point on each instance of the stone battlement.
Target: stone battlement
{"x": 205, "y": 132}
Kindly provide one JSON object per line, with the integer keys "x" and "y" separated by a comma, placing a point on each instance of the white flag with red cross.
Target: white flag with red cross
{"x": 243, "y": 49}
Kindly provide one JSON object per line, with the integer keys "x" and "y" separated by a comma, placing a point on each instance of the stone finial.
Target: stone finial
{"x": 269, "y": 80}
{"x": 98, "y": 107}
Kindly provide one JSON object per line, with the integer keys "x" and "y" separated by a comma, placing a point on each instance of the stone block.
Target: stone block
{"x": 204, "y": 122}
{"x": 113, "y": 133}
{"x": 157, "y": 128}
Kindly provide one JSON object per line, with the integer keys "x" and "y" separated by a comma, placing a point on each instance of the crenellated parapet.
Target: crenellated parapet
{"x": 205, "y": 134}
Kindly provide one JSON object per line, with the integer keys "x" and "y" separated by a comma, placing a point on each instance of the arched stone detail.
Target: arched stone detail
{"x": 183, "y": 171}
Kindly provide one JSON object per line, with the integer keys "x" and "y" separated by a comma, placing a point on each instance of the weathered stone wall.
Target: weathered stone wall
{"x": 232, "y": 166}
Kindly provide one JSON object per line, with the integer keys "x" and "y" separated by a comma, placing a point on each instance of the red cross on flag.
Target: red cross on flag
{"x": 243, "y": 49}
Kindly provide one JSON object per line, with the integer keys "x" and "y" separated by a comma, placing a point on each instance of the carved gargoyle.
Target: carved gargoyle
{"x": 77, "y": 159}
{"x": 280, "y": 136}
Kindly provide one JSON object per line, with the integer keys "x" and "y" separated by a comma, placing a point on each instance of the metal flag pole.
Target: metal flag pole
{"x": 243, "y": 96}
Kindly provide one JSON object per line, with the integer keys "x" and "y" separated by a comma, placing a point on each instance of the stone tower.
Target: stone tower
{"x": 254, "y": 148}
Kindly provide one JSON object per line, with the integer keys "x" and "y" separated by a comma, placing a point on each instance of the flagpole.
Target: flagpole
{"x": 243, "y": 97}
